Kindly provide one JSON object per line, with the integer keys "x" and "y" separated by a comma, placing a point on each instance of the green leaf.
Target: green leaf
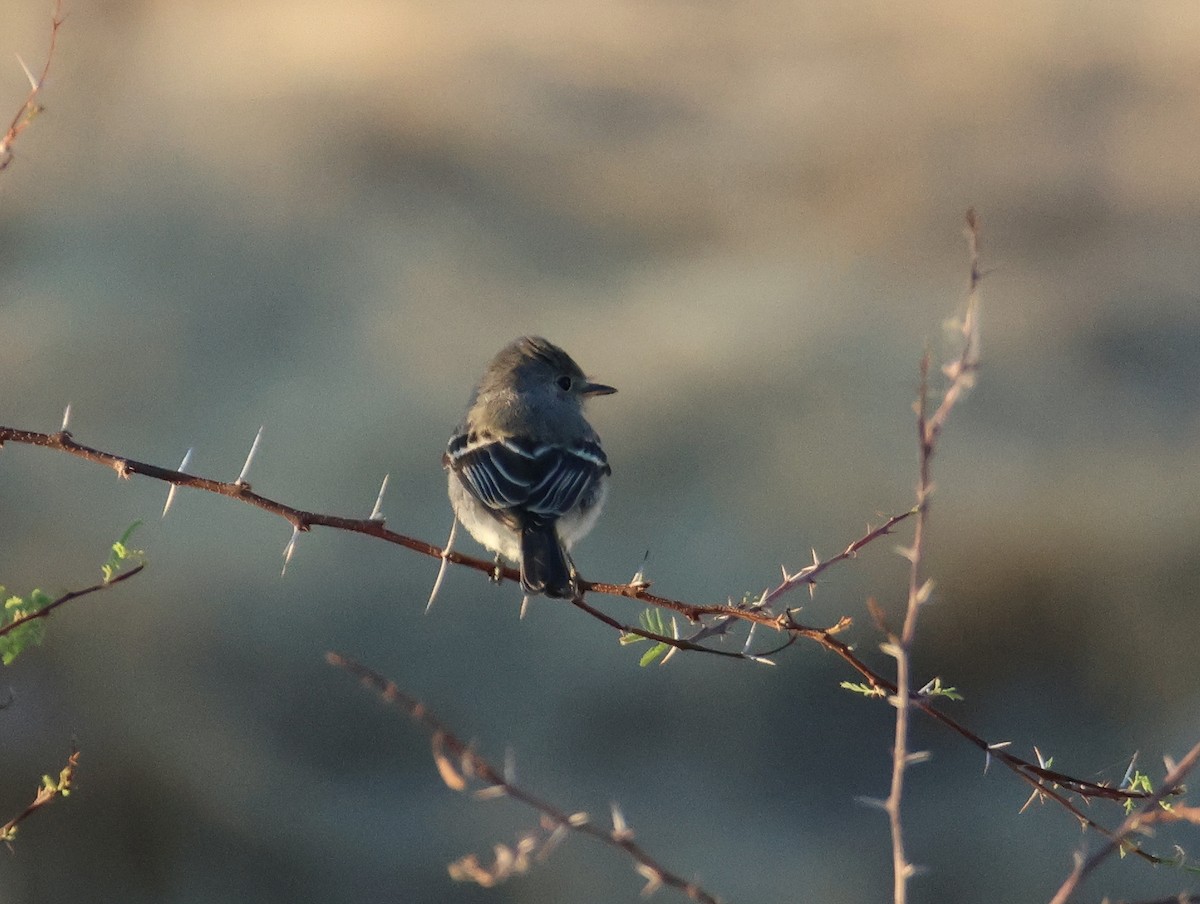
{"x": 1139, "y": 782}
{"x": 935, "y": 689}
{"x": 653, "y": 653}
{"x": 865, "y": 689}
{"x": 652, "y": 620}
{"x": 31, "y": 633}
{"x": 121, "y": 552}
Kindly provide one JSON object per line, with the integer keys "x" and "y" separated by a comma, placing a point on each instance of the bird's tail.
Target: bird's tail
{"x": 544, "y": 567}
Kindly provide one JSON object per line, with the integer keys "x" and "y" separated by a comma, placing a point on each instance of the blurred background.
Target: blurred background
{"x": 324, "y": 218}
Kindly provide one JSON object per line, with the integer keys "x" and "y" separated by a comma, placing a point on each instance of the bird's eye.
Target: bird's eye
{"x": 564, "y": 383}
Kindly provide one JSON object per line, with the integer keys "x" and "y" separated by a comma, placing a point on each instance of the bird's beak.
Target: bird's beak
{"x": 591, "y": 389}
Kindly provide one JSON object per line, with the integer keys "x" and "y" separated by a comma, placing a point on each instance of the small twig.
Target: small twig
{"x": 1135, "y": 821}
{"x": 32, "y": 106}
{"x": 678, "y": 642}
{"x": 67, "y": 597}
{"x": 46, "y": 792}
{"x": 456, "y": 761}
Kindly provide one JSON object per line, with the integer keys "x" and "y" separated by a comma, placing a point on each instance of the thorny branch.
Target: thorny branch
{"x": 302, "y": 521}
{"x": 1149, "y": 813}
{"x": 1045, "y": 781}
{"x": 457, "y": 762}
{"x": 714, "y": 619}
{"x": 32, "y": 106}
{"x": 960, "y": 375}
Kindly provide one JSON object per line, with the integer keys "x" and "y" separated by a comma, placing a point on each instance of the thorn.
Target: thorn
{"x": 524, "y": 606}
{"x": 289, "y": 550}
{"x": 749, "y": 638}
{"x": 761, "y": 660}
{"x": 33, "y": 82}
{"x": 437, "y": 582}
{"x": 503, "y": 867}
{"x": 987, "y": 754}
{"x": 377, "y": 513}
{"x": 917, "y": 756}
{"x": 174, "y": 487}
{"x": 553, "y": 840}
{"x": 1129, "y": 772}
{"x": 241, "y": 479}
{"x": 816, "y": 560}
{"x": 1032, "y": 797}
{"x": 639, "y": 576}
{"x": 466, "y": 762}
{"x": 451, "y": 776}
{"x": 621, "y": 830}
{"x": 667, "y": 656}
{"x": 652, "y": 876}
{"x": 510, "y": 765}
{"x": 874, "y": 802}
{"x": 526, "y": 846}
{"x": 66, "y": 411}
{"x": 924, "y": 592}
{"x": 578, "y": 819}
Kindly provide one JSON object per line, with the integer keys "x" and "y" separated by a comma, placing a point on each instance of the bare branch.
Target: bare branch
{"x": 32, "y": 106}
{"x": 457, "y": 762}
{"x": 961, "y": 375}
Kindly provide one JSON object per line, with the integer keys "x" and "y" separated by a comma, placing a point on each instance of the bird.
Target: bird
{"x": 527, "y": 476}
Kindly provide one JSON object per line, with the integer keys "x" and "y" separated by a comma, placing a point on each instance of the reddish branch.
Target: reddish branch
{"x": 457, "y": 761}
{"x": 1139, "y": 820}
{"x": 785, "y": 621}
{"x": 32, "y": 106}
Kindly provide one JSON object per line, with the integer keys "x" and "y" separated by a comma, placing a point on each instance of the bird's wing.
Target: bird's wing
{"x": 519, "y": 474}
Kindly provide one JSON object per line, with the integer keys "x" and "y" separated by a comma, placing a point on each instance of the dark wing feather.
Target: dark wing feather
{"x": 515, "y": 476}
